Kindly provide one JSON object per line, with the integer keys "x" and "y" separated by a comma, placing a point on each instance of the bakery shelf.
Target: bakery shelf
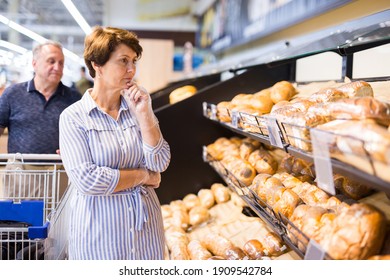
{"x": 246, "y": 124}
{"x": 296, "y": 141}
{"x": 286, "y": 230}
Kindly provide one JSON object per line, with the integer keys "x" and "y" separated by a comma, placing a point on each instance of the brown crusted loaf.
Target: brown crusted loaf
{"x": 282, "y": 90}
{"x": 223, "y": 111}
{"x": 357, "y": 89}
{"x": 240, "y": 168}
{"x": 220, "y": 246}
{"x": 177, "y": 242}
{"x": 351, "y": 133}
{"x": 247, "y": 146}
{"x": 296, "y": 166}
{"x": 263, "y": 161}
{"x": 254, "y": 249}
{"x": 351, "y": 188}
{"x": 273, "y": 244}
{"x": 361, "y": 108}
{"x": 357, "y": 233}
{"x": 198, "y": 251}
{"x": 327, "y": 95}
{"x": 181, "y": 93}
{"x": 262, "y": 102}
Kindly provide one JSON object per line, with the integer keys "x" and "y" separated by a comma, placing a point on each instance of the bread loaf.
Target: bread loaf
{"x": 217, "y": 244}
{"x": 181, "y": 93}
{"x": 327, "y": 95}
{"x": 273, "y": 244}
{"x": 282, "y": 90}
{"x": 263, "y": 161}
{"x": 287, "y": 203}
{"x": 206, "y": 198}
{"x": 198, "y": 251}
{"x": 240, "y": 168}
{"x": 177, "y": 242}
{"x": 191, "y": 200}
{"x": 357, "y": 89}
{"x": 221, "y": 192}
{"x": 198, "y": 215}
{"x": 357, "y": 233}
{"x": 351, "y": 188}
{"x": 254, "y": 249}
{"x": 247, "y": 146}
{"x": 359, "y": 108}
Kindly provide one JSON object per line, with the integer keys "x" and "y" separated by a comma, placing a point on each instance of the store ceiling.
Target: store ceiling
{"x": 50, "y": 19}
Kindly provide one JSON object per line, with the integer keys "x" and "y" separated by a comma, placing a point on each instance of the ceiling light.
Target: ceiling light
{"x": 37, "y": 37}
{"x": 77, "y": 16}
{"x": 13, "y": 47}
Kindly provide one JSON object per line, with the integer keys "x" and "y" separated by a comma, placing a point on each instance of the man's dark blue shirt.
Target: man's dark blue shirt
{"x": 32, "y": 121}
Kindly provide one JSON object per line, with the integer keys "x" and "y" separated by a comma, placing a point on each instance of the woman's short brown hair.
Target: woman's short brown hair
{"x": 99, "y": 45}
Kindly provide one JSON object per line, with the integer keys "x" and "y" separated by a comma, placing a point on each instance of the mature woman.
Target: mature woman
{"x": 113, "y": 152}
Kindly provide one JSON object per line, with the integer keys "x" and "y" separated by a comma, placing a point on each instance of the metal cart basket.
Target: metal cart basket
{"x": 31, "y": 186}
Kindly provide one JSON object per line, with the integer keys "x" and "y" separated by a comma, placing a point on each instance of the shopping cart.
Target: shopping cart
{"x": 31, "y": 186}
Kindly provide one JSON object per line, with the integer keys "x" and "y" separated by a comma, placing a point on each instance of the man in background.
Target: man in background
{"x": 30, "y": 110}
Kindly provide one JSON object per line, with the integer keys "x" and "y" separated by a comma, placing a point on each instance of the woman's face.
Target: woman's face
{"x": 120, "y": 69}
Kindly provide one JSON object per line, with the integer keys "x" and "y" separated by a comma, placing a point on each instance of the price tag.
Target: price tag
{"x": 314, "y": 251}
{"x": 213, "y": 112}
{"x": 234, "y": 116}
{"x": 274, "y": 133}
{"x": 204, "y": 154}
{"x": 322, "y": 162}
{"x": 205, "y": 111}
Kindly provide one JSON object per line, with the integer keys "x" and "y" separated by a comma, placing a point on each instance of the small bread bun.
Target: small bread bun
{"x": 198, "y": 251}
{"x": 282, "y": 91}
{"x": 181, "y": 93}
{"x": 206, "y": 198}
{"x": 191, "y": 200}
{"x": 198, "y": 215}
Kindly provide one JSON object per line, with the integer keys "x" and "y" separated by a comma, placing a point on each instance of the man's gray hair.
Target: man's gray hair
{"x": 37, "y": 49}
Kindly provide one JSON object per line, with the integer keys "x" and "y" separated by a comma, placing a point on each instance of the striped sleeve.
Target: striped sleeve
{"x": 157, "y": 158}
{"x": 77, "y": 159}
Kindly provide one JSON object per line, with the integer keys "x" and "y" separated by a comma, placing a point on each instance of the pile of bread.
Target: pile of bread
{"x": 193, "y": 212}
{"x": 244, "y": 158}
{"x": 181, "y": 93}
{"x": 344, "y": 228}
{"x": 357, "y": 122}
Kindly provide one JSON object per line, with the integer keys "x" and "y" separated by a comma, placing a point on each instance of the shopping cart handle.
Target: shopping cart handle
{"x": 38, "y": 232}
{"x": 23, "y": 157}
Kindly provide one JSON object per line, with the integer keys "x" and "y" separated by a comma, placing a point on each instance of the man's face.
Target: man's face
{"x": 49, "y": 64}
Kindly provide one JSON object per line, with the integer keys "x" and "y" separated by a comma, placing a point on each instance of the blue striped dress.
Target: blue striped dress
{"x": 125, "y": 225}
